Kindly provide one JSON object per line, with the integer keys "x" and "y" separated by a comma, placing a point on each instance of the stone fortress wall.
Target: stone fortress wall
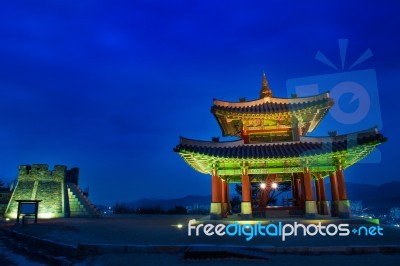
{"x": 58, "y": 190}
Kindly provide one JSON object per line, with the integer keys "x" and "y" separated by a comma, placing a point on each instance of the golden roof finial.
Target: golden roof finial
{"x": 265, "y": 89}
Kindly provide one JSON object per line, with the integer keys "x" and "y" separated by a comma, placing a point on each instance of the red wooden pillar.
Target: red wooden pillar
{"x": 299, "y": 201}
{"x": 303, "y": 193}
{"x": 341, "y": 184}
{"x": 245, "y": 136}
{"x": 246, "y": 208}
{"x": 228, "y": 197}
{"x": 334, "y": 193}
{"x": 224, "y": 199}
{"x": 216, "y": 189}
{"x": 308, "y": 192}
{"x": 310, "y": 205}
{"x": 295, "y": 192}
{"x": 344, "y": 203}
{"x": 322, "y": 190}
{"x": 324, "y": 204}
{"x": 317, "y": 193}
{"x": 215, "y": 209}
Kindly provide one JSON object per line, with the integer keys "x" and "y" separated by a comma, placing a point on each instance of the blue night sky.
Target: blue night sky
{"x": 110, "y": 86}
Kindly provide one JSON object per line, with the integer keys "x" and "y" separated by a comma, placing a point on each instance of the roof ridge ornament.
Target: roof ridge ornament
{"x": 265, "y": 89}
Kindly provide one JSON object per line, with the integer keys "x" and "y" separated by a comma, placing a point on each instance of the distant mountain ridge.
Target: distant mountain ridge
{"x": 167, "y": 204}
{"x": 369, "y": 192}
{"x": 379, "y": 199}
{"x": 373, "y": 196}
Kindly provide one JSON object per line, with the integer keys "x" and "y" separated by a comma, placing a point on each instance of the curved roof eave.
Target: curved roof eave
{"x": 221, "y": 103}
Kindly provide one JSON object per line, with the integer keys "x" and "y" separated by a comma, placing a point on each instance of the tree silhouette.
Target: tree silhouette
{"x": 235, "y": 203}
{"x": 3, "y": 186}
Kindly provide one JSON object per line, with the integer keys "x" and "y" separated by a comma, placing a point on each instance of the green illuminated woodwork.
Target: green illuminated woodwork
{"x": 317, "y": 163}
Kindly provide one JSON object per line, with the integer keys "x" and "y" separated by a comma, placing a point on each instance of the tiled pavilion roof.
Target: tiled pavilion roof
{"x": 203, "y": 154}
{"x": 308, "y": 109}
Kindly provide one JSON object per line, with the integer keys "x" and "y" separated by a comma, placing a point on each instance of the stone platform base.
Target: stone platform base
{"x": 246, "y": 210}
{"x": 215, "y": 211}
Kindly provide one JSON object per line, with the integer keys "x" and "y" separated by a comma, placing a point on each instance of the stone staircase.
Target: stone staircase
{"x": 79, "y": 204}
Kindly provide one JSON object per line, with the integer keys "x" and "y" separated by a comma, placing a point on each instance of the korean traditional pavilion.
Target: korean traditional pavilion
{"x": 273, "y": 147}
